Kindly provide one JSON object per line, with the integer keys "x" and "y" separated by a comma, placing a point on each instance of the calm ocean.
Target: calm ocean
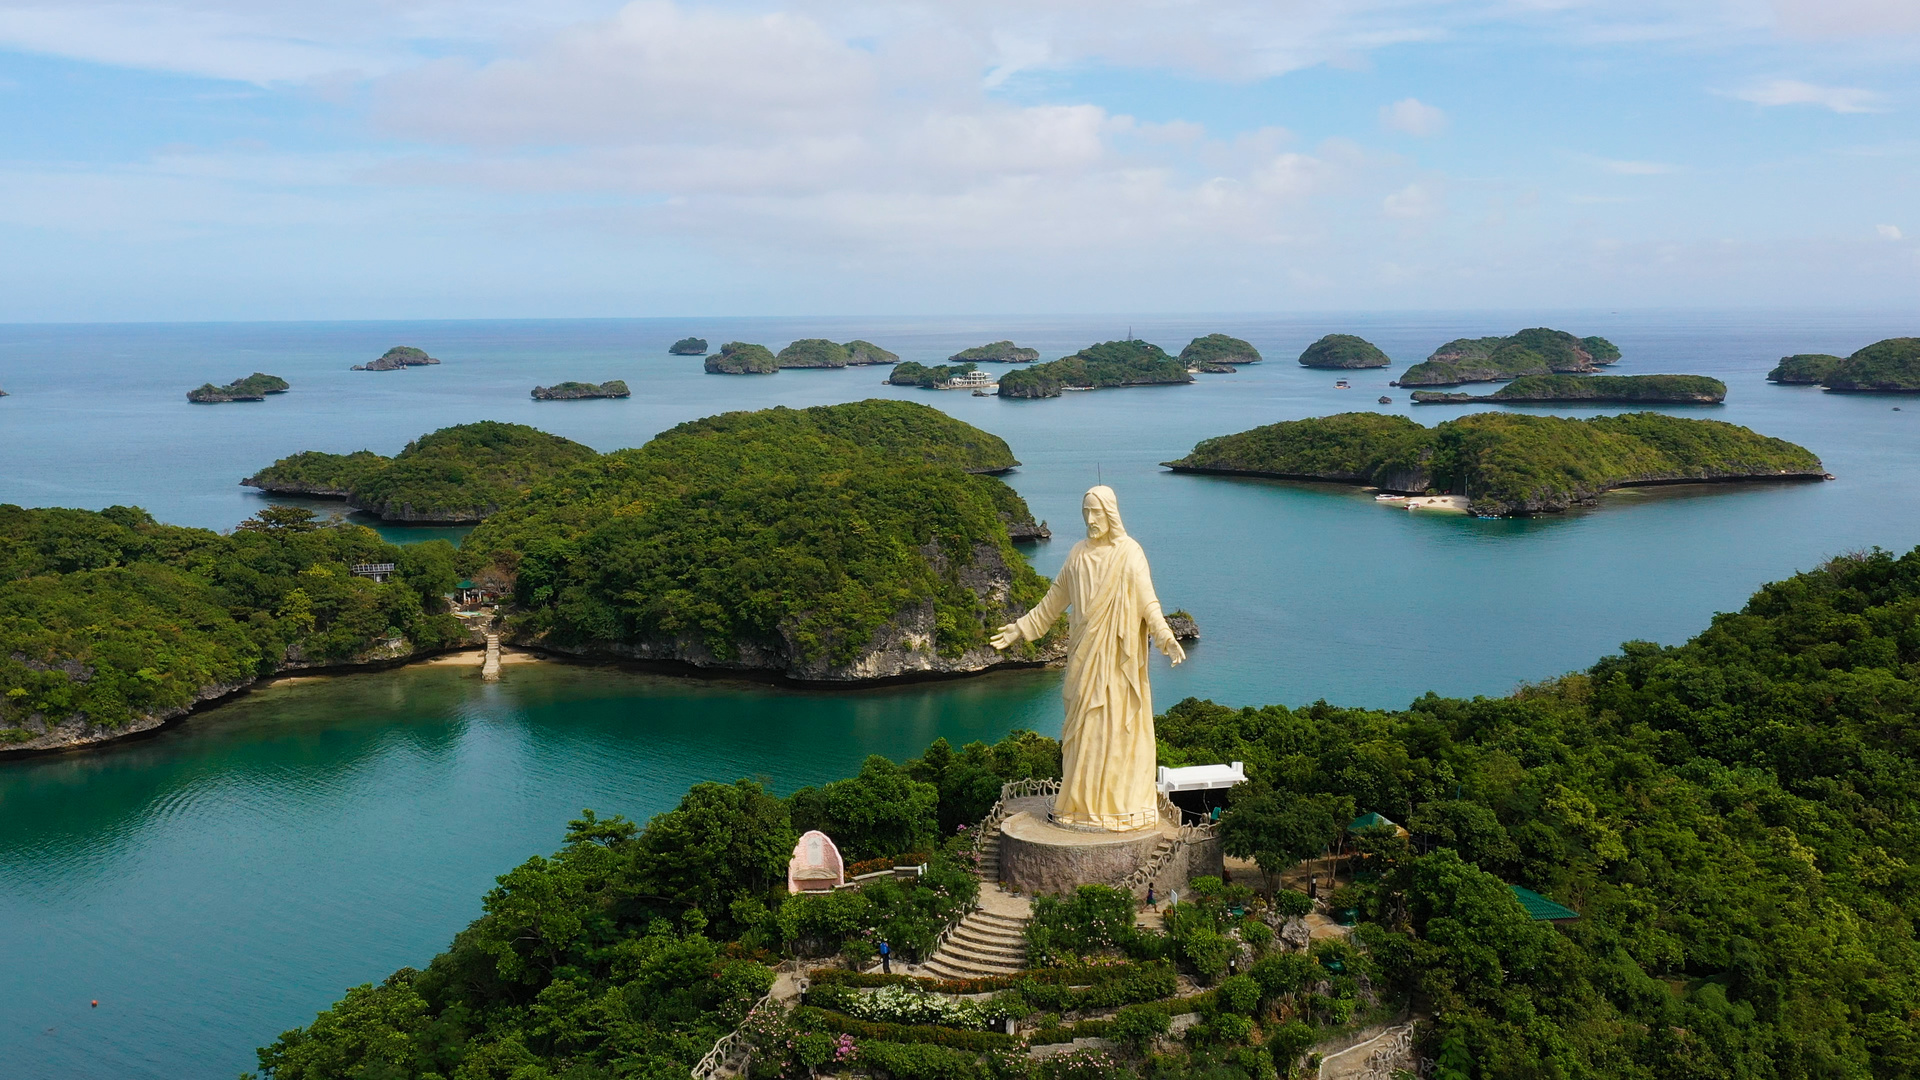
{"x": 219, "y": 883}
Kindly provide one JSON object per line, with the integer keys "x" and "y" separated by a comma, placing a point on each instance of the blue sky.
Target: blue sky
{"x": 221, "y": 159}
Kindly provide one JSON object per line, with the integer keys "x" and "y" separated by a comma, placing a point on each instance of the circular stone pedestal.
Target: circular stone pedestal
{"x": 1037, "y": 856}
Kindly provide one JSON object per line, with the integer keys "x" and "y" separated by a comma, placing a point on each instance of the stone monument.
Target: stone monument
{"x": 1107, "y": 820}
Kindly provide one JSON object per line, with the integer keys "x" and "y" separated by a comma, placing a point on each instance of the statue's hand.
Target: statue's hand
{"x": 1169, "y": 644}
{"x": 1008, "y": 636}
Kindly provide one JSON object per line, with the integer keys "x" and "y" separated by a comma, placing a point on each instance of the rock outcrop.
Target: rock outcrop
{"x": 860, "y": 353}
{"x": 813, "y": 353}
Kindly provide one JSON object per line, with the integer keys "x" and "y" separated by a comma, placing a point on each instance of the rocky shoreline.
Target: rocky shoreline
{"x": 78, "y": 733}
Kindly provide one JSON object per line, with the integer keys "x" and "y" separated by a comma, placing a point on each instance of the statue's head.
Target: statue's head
{"x": 1101, "y": 510}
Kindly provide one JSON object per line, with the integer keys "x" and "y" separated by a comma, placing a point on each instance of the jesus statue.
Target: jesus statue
{"x": 1107, "y": 746}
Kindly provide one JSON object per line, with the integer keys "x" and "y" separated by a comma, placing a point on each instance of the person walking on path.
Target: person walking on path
{"x": 886, "y": 958}
{"x": 1150, "y": 903}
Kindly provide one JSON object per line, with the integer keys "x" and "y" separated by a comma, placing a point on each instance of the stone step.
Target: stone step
{"x": 956, "y": 967}
{"x": 992, "y": 918}
{"x": 975, "y": 927}
{"x": 1013, "y": 949}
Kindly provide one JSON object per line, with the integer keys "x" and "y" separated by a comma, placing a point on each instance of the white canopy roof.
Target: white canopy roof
{"x": 1202, "y": 777}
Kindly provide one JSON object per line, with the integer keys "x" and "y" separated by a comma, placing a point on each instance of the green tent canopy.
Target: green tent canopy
{"x": 1541, "y": 909}
{"x": 1370, "y": 821}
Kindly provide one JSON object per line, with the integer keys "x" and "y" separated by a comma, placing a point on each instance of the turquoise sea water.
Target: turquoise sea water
{"x": 222, "y": 881}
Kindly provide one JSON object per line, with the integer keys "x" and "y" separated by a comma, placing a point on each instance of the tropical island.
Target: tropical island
{"x": 254, "y": 387}
{"x": 1343, "y": 352}
{"x": 572, "y": 391}
{"x": 837, "y": 544}
{"x": 112, "y": 623}
{"x": 455, "y": 475}
{"x": 1577, "y": 389}
{"x": 741, "y": 358}
{"x": 813, "y": 353}
{"x": 861, "y": 353}
{"x": 912, "y": 373}
{"x": 1672, "y": 864}
{"x": 1217, "y": 354}
{"x": 998, "y": 352}
{"x": 1108, "y": 364}
{"x": 1890, "y": 366}
{"x": 1804, "y": 369}
{"x": 400, "y": 356}
{"x": 1505, "y": 464}
{"x": 689, "y": 346}
{"x": 1539, "y": 351}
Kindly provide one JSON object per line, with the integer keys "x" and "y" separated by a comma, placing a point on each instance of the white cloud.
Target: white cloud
{"x": 1848, "y": 18}
{"x": 1841, "y": 99}
{"x": 1412, "y": 201}
{"x": 1412, "y": 116}
{"x": 1891, "y": 232}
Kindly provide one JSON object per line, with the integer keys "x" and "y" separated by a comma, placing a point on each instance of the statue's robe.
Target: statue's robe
{"x": 1107, "y": 746}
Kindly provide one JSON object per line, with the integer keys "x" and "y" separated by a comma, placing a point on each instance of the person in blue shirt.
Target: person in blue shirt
{"x": 886, "y": 958}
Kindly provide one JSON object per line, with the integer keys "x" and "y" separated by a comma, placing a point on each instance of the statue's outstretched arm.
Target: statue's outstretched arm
{"x": 1034, "y": 624}
{"x": 1163, "y": 634}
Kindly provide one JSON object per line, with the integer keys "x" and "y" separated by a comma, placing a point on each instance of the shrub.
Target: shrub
{"x": 919, "y": 1061}
{"x": 1084, "y": 1065}
{"x": 1286, "y": 1043}
{"x": 1288, "y": 973}
{"x": 809, "y": 1017}
{"x": 1239, "y": 994}
{"x": 1095, "y": 917}
{"x": 1291, "y": 905}
{"x": 1138, "y": 1025}
{"x": 1207, "y": 951}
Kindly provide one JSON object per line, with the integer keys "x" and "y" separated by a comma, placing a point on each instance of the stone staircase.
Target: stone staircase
{"x": 985, "y": 943}
{"x": 987, "y": 862}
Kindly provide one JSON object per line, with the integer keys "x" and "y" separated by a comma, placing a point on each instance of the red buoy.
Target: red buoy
{"x": 96, "y": 1003}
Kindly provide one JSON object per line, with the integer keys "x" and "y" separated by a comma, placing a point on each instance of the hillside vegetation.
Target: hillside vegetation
{"x": 804, "y": 541}
{"x": 1108, "y": 364}
{"x": 254, "y": 387}
{"x": 1735, "y": 820}
{"x": 998, "y": 352}
{"x": 689, "y": 346}
{"x": 913, "y": 373}
{"x": 1218, "y": 349}
{"x": 110, "y": 618}
{"x": 1633, "y": 389}
{"x": 460, "y": 473}
{"x": 813, "y": 353}
{"x": 1538, "y": 351}
{"x": 1890, "y": 366}
{"x": 1343, "y": 351}
{"x": 1505, "y": 463}
{"x": 866, "y": 352}
{"x": 742, "y": 358}
{"x": 1804, "y": 369}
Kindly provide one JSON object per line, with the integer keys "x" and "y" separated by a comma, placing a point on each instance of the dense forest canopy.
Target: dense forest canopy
{"x": 1632, "y": 389}
{"x": 1537, "y": 351}
{"x": 1804, "y": 368}
{"x": 914, "y": 373}
{"x": 1218, "y": 349}
{"x": 812, "y": 527}
{"x": 460, "y": 473}
{"x": 813, "y": 353}
{"x": 1343, "y": 351}
{"x": 111, "y": 615}
{"x": 1506, "y": 463}
{"x": 1736, "y": 822}
{"x": 742, "y": 358}
{"x": 1108, "y": 364}
{"x": 1892, "y": 365}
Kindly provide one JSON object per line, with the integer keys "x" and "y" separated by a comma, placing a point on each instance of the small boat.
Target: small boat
{"x": 1385, "y": 400}
{"x": 1388, "y": 498}
{"x": 1341, "y": 385}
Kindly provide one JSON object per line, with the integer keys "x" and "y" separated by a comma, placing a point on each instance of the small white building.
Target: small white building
{"x": 816, "y": 865}
{"x": 970, "y": 380}
{"x": 1200, "y": 791}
